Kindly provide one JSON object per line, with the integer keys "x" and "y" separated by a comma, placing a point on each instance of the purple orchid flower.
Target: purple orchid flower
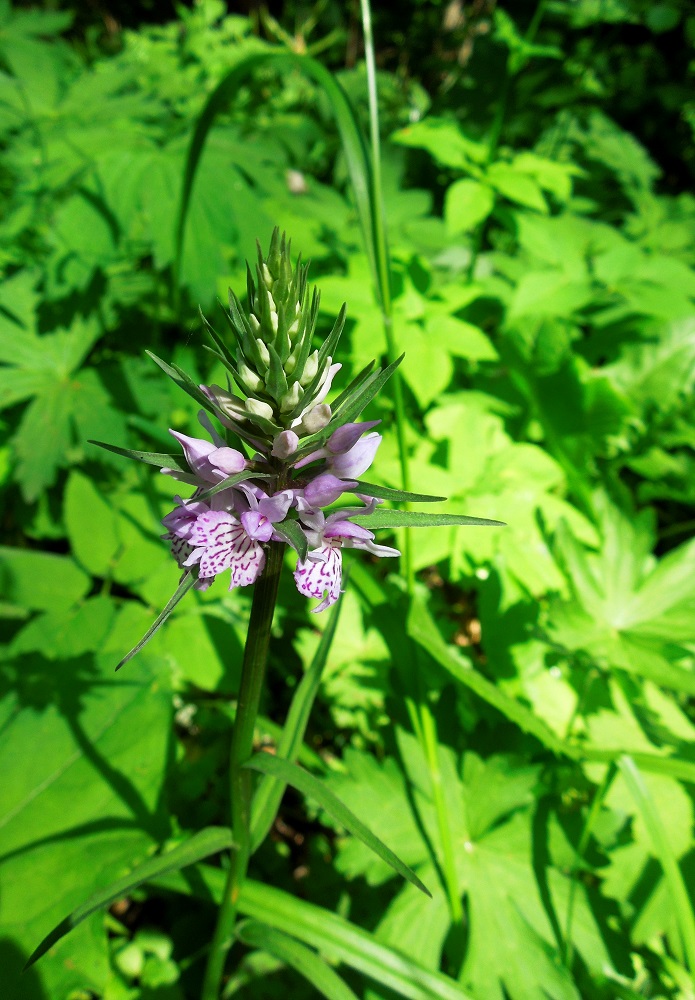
{"x": 347, "y": 457}
{"x": 321, "y": 574}
{"x": 210, "y": 461}
{"x": 216, "y": 540}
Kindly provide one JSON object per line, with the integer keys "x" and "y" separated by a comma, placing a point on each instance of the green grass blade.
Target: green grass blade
{"x": 186, "y": 583}
{"x": 350, "y": 134}
{"x": 268, "y": 795}
{"x": 335, "y": 937}
{"x": 300, "y": 958}
{"x": 420, "y": 519}
{"x": 662, "y": 851}
{"x": 201, "y": 845}
{"x": 422, "y": 628}
{"x": 308, "y": 785}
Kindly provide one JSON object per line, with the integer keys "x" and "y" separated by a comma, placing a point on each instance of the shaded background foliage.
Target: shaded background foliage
{"x": 538, "y": 165}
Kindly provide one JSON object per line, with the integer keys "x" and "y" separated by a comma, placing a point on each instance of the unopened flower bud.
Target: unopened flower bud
{"x": 284, "y": 444}
{"x": 310, "y": 369}
{"x": 253, "y": 321}
{"x": 293, "y": 329}
{"x": 267, "y": 276}
{"x": 259, "y": 408}
{"x": 291, "y": 363}
{"x": 250, "y": 378}
{"x": 316, "y": 419}
{"x": 263, "y": 351}
{"x": 274, "y": 320}
{"x": 290, "y": 399}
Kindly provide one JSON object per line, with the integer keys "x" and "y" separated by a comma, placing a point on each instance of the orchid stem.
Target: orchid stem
{"x": 252, "y": 674}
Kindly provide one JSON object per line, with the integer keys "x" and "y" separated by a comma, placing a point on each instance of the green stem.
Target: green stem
{"x": 252, "y": 673}
{"x": 383, "y": 277}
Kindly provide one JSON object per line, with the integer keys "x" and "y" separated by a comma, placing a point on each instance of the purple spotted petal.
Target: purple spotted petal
{"x": 181, "y": 519}
{"x": 321, "y": 575}
{"x": 226, "y": 545}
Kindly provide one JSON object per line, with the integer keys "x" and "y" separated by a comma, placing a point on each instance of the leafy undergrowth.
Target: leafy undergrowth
{"x": 544, "y": 287}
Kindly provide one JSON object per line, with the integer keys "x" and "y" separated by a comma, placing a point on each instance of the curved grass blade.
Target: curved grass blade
{"x": 335, "y": 937}
{"x": 156, "y": 458}
{"x": 420, "y": 519}
{"x": 386, "y": 493}
{"x": 350, "y": 134}
{"x": 307, "y": 784}
{"x": 663, "y": 851}
{"x": 187, "y": 582}
{"x": 201, "y": 845}
{"x": 302, "y": 959}
{"x": 268, "y": 795}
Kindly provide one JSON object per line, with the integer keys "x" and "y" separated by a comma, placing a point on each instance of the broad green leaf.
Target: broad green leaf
{"x": 466, "y": 204}
{"x": 40, "y": 580}
{"x": 94, "y": 791}
{"x": 306, "y": 783}
{"x": 306, "y": 962}
{"x": 419, "y": 519}
{"x": 517, "y": 186}
{"x": 201, "y": 845}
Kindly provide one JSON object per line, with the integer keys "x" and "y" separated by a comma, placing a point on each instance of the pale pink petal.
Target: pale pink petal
{"x": 345, "y": 437}
{"x": 353, "y": 463}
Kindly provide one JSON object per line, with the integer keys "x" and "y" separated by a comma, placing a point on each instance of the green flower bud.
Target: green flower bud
{"x": 250, "y": 378}
{"x": 291, "y": 398}
{"x": 310, "y": 369}
{"x": 259, "y": 408}
{"x": 265, "y": 356}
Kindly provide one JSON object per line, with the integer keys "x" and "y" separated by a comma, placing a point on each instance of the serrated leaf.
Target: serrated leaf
{"x": 201, "y": 845}
{"x": 306, "y": 783}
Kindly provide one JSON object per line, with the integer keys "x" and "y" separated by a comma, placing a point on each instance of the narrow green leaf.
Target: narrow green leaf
{"x": 156, "y": 458}
{"x": 306, "y": 783}
{"x": 183, "y": 380}
{"x": 268, "y": 795}
{"x": 238, "y": 477}
{"x": 201, "y": 845}
{"x": 419, "y": 519}
{"x": 354, "y": 405}
{"x": 294, "y": 536}
{"x": 305, "y": 961}
{"x": 662, "y": 850}
{"x": 335, "y": 937}
{"x": 386, "y": 493}
{"x": 674, "y": 767}
{"x": 187, "y": 582}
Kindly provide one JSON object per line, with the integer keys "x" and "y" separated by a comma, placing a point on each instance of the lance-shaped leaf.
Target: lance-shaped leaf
{"x": 187, "y": 582}
{"x": 300, "y": 958}
{"x": 419, "y": 519}
{"x": 354, "y": 405}
{"x": 201, "y": 845}
{"x": 386, "y": 493}
{"x": 308, "y": 785}
{"x": 157, "y": 458}
{"x": 238, "y": 477}
{"x": 184, "y": 381}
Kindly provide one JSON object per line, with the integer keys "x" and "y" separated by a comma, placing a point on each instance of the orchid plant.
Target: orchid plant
{"x": 267, "y": 478}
